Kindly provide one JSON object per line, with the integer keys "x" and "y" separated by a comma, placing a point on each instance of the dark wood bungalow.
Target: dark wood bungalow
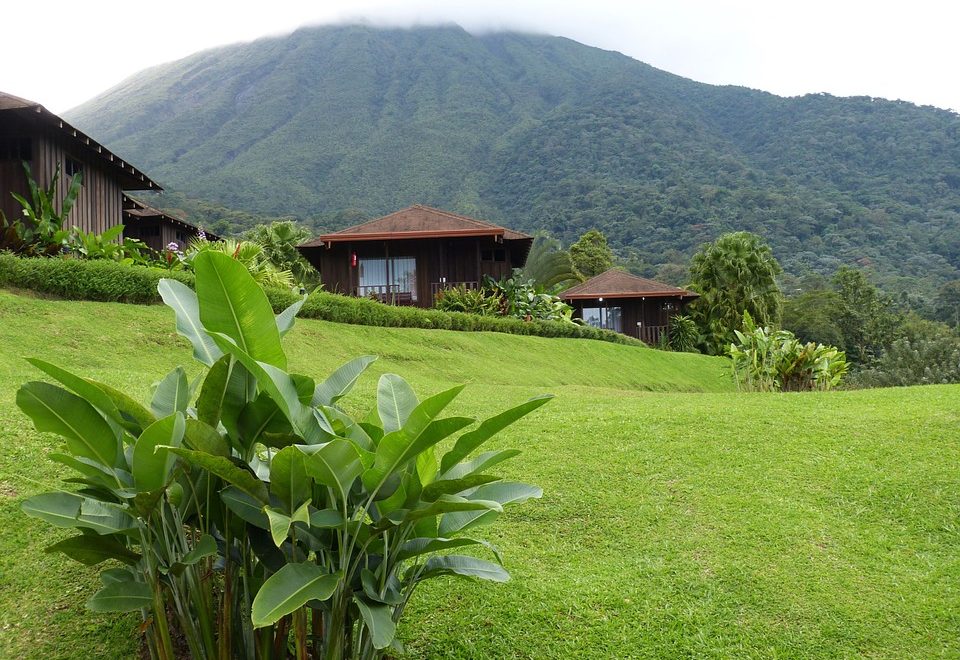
{"x": 406, "y": 257}
{"x": 628, "y": 304}
{"x": 156, "y": 228}
{"x": 31, "y": 133}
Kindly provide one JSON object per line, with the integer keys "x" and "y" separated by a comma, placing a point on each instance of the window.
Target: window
{"x": 16, "y": 149}
{"x": 493, "y": 255}
{"x": 396, "y": 275}
{"x": 72, "y": 167}
{"x": 604, "y": 317}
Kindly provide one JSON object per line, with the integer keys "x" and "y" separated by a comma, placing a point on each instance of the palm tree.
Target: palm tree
{"x": 549, "y": 266}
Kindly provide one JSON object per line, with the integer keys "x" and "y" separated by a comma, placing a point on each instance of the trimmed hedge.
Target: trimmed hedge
{"x": 109, "y": 281}
{"x": 75, "y": 279}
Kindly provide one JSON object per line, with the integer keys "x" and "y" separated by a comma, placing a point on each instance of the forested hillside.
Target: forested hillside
{"x": 334, "y": 124}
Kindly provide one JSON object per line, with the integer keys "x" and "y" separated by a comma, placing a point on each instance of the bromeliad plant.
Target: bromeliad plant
{"x": 249, "y": 513}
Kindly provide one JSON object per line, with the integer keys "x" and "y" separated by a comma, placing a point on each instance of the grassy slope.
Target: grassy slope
{"x": 673, "y": 524}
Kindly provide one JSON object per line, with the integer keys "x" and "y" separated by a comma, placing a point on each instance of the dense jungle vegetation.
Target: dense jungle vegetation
{"x": 334, "y": 125}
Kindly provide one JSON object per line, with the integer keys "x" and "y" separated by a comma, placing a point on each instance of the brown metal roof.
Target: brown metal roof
{"x": 418, "y": 221}
{"x": 616, "y": 283}
{"x": 134, "y": 208}
{"x": 130, "y": 177}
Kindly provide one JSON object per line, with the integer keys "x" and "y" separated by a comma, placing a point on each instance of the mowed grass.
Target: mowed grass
{"x": 679, "y": 518}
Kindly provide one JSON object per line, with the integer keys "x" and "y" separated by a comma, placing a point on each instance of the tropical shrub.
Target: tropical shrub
{"x": 765, "y": 360}
{"x": 548, "y": 266}
{"x": 42, "y": 234}
{"x": 523, "y": 299}
{"x": 250, "y": 254}
{"x": 279, "y": 241}
{"x": 91, "y": 245}
{"x": 251, "y": 516}
{"x": 468, "y": 301}
{"x": 682, "y": 334}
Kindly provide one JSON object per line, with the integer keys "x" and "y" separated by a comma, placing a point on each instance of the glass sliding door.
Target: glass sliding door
{"x": 392, "y": 279}
{"x": 609, "y": 318}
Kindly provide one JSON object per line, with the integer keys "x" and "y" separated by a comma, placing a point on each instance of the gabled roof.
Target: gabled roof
{"x": 417, "y": 222}
{"x": 616, "y": 283}
{"x": 134, "y": 209}
{"x": 130, "y": 177}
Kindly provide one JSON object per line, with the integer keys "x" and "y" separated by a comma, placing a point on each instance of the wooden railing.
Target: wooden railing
{"x": 385, "y": 293}
{"x": 651, "y": 334}
{"x": 437, "y": 287}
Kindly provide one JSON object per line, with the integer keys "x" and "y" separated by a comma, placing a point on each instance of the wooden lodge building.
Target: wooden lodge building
{"x": 30, "y": 133}
{"x": 628, "y": 304}
{"x": 406, "y": 257}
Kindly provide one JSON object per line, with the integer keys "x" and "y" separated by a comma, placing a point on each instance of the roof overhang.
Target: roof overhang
{"x": 136, "y": 209}
{"x": 621, "y": 294}
{"x": 130, "y": 177}
{"x": 329, "y": 239}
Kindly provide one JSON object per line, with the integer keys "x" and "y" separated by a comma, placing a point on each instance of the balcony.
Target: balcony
{"x": 651, "y": 334}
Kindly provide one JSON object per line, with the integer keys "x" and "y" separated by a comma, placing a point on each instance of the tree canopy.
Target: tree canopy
{"x": 737, "y": 273}
{"x": 591, "y": 254}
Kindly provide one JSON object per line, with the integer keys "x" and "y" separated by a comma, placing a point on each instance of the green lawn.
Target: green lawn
{"x": 679, "y": 518}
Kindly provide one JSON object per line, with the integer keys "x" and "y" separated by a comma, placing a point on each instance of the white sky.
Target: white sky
{"x": 62, "y": 53}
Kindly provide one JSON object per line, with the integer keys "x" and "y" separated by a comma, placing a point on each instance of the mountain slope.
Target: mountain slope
{"x": 332, "y": 123}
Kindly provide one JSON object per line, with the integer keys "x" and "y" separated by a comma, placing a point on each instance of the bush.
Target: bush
{"x": 76, "y": 279}
{"x": 252, "y": 516}
{"x": 109, "y": 281}
{"x": 769, "y": 361}
{"x": 927, "y": 353}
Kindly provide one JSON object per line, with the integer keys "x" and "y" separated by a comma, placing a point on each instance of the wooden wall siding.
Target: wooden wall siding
{"x": 650, "y": 311}
{"x": 157, "y": 234}
{"x": 457, "y": 260}
{"x": 99, "y": 204}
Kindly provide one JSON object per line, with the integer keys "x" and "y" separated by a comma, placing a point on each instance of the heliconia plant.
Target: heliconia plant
{"x": 244, "y": 512}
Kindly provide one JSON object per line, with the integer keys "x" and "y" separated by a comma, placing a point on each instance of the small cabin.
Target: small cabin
{"x": 625, "y": 303}
{"x": 409, "y": 256}
{"x": 29, "y": 133}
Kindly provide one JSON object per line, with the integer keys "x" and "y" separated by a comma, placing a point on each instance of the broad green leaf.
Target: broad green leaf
{"x": 463, "y": 566}
{"x": 115, "y": 575}
{"x": 56, "y": 410}
{"x": 135, "y": 416}
{"x": 379, "y": 621}
{"x": 504, "y": 492}
{"x": 91, "y": 549}
{"x": 227, "y": 470}
{"x": 261, "y": 416}
{"x": 277, "y": 383}
{"x": 58, "y": 509}
{"x": 279, "y": 525}
{"x": 203, "y": 437}
{"x": 172, "y": 394}
{"x": 245, "y": 506}
{"x": 326, "y": 519}
{"x": 152, "y": 462}
{"x": 233, "y": 304}
{"x": 289, "y": 589}
{"x": 423, "y": 546}
{"x": 182, "y": 299}
{"x": 488, "y": 428}
{"x": 341, "y": 381}
{"x": 82, "y": 388}
{"x": 448, "y": 504}
{"x": 452, "y": 486}
{"x": 205, "y": 547}
{"x": 286, "y": 318}
{"x": 346, "y": 427}
{"x": 395, "y": 401}
{"x": 104, "y": 517}
{"x": 485, "y": 460}
{"x": 105, "y": 476}
{"x": 121, "y": 597}
{"x": 336, "y": 464}
{"x": 396, "y": 448}
{"x": 288, "y": 478}
{"x": 214, "y": 390}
